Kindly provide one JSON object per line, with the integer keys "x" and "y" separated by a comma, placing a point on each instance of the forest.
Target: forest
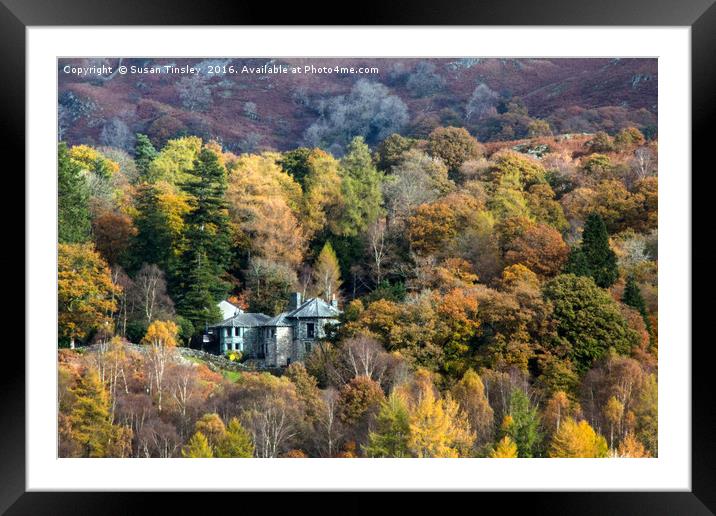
{"x": 499, "y": 297}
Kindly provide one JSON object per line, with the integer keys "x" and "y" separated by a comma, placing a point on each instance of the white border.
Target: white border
{"x": 670, "y": 471}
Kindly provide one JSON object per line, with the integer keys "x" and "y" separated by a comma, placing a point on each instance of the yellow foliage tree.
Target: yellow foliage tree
{"x": 505, "y": 449}
{"x": 90, "y": 426}
{"x": 438, "y": 428}
{"x": 323, "y": 197}
{"x": 92, "y": 160}
{"x": 469, "y": 392}
{"x": 175, "y": 159}
{"x": 197, "y": 448}
{"x": 613, "y": 412}
{"x": 161, "y": 337}
{"x": 264, "y": 207}
{"x": 630, "y": 447}
{"x": 577, "y": 439}
{"x": 85, "y": 292}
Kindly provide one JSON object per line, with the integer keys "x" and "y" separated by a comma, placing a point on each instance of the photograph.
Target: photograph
{"x": 359, "y": 257}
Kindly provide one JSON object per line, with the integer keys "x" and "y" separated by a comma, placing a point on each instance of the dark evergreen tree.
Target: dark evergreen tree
{"x": 295, "y": 162}
{"x": 73, "y": 216}
{"x": 207, "y": 246}
{"x": 197, "y": 298}
{"x": 577, "y": 262}
{"x": 522, "y": 424}
{"x": 632, "y": 297}
{"x": 588, "y": 320}
{"x": 595, "y": 258}
{"x": 144, "y": 154}
{"x": 154, "y": 241}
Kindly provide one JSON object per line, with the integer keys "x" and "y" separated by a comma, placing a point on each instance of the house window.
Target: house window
{"x": 226, "y": 332}
{"x": 308, "y": 347}
{"x": 273, "y": 332}
{"x": 236, "y": 331}
{"x": 311, "y": 330}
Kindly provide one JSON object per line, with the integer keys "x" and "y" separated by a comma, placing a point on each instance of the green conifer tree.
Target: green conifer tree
{"x": 144, "y": 154}
{"x": 361, "y": 189}
{"x": 594, "y": 257}
{"x": 198, "y": 277}
{"x": 632, "y": 297}
{"x": 390, "y": 438}
{"x": 522, "y": 424}
{"x": 73, "y": 216}
{"x": 154, "y": 241}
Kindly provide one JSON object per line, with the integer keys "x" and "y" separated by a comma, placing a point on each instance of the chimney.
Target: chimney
{"x": 294, "y": 300}
{"x": 334, "y": 301}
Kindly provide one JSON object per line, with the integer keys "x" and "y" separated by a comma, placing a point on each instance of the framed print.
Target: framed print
{"x": 359, "y": 258}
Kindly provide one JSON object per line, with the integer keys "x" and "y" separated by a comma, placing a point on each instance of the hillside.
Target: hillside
{"x": 495, "y": 99}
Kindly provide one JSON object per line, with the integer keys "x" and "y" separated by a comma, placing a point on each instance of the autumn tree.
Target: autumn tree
{"x": 392, "y": 430}
{"x": 269, "y": 409}
{"x": 212, "y": 427}
{"x": 540, "y": 248}
{"x": 90, "y": 424}
{"x": 431, "y": 227}
{"x": 113, "y": 233}
{"x": 454, "y": 145}
{"x": 577, "y": 439}
{"x": 505, "y": 449}
{"x": 646, "y": 408}
{"x": 73, "y": 217}
{"x": 416, "y": 179}
{"x": 175, "y": 162}
{"x": 85, "y": 292}
{"x": 627, "y": 138}
{"x": 235, "y": 442}
{"x": 594, "y": 257}
{"x": 613, "y": 413}
{"x": 358, "y": 403}
{"x": 438, "y": 428}
{"x": 469, "y": 393}
{"x": 161, "y": 339}
{"x": 327, "y": 273}
{"x": 516, "y": 171}
{"x": 323, "y": 195}
{"x": 556, "y": 411}
{"x": 631, "y": 448}
{"x": 197, "y": 448}
{"x": 313, "y": 406}
{"x": 264, "y": 204}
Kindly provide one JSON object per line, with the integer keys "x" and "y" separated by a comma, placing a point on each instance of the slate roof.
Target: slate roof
{"x": 244, "y": 320}
{"x": 279, "y": 320}
{"x": 315, "y": 307}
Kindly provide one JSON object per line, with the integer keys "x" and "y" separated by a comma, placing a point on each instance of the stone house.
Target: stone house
{"x": 280, "y": 340}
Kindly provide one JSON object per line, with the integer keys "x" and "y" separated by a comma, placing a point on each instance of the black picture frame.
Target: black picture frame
{"x": 17, "y": 15}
